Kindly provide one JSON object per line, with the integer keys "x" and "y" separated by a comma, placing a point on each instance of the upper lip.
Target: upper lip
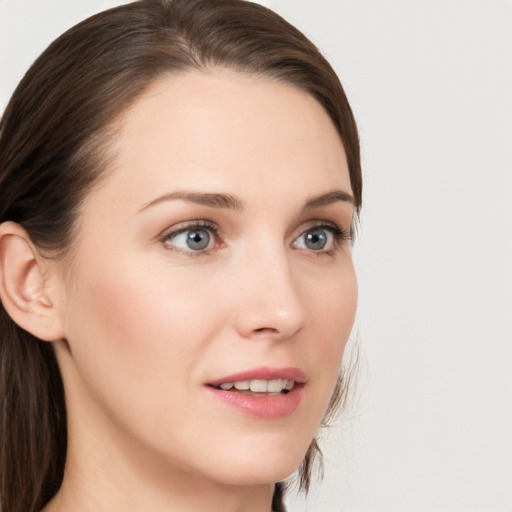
{"x": 263, "y": 373}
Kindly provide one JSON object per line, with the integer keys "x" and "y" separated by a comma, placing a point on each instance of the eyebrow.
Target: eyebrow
{"x": 230, "y": 202}
{"x": 330, "y": 197}
{"x": 212, "y": 200}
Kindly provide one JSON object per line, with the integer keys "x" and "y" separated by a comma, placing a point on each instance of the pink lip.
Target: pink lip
{"x": 263, "y": 373}
{"x": 262, "y": 407}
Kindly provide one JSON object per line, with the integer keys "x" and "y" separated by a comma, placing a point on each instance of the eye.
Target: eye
{"x": 194, "y": 238}
{"x": 323, "y": 238}
{"x": 315, "y": 239}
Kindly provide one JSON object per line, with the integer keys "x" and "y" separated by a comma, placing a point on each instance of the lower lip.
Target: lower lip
{"x": 262, "y": 407}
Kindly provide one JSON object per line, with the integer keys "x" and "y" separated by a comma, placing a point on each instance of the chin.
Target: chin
{"x": 259, "y": 462}
{"x": 258, "y": 475}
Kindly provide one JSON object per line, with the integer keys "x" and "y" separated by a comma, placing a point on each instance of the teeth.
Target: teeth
{"x": 274, "y": 386}
{"x": 260, "y": 386}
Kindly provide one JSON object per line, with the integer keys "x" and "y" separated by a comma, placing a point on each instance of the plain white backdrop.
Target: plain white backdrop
{"x": 430, "y": 82}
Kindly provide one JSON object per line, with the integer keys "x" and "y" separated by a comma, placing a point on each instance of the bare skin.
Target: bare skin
{"x": 148, "y": 320}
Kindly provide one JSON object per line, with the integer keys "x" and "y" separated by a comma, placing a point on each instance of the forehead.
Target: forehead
{"x": 228, "y": 132}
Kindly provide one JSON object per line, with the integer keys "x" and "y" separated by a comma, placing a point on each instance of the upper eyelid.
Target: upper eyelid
{"x": 207, "y": 224}
{"x": 321, "y": 222}
{"x": 176, "y": 229}
{"x": 317, "y": 223}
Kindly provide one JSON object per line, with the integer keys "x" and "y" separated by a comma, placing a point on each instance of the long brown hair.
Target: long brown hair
{"x": 54, "y": 147}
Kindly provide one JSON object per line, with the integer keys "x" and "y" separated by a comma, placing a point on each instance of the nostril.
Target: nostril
{"x": 266, "y": 330}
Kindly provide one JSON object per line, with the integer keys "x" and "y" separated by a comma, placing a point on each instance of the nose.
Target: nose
{"x": 269, "y": 302}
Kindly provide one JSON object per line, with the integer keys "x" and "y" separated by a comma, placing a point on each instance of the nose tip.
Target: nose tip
{"x": 270, "y": 308}
{"x": 266, "y": 323}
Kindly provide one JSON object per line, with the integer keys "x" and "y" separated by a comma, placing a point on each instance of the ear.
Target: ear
{"x": 25, "y": 295}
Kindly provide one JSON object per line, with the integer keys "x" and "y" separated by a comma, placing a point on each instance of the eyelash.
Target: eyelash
{"x": 340, "y": 235}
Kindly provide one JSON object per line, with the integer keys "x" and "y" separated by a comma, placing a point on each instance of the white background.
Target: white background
{"x": 430, "y": 82}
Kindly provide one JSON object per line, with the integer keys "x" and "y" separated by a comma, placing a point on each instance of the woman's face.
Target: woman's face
{"x": 214, "y": 253}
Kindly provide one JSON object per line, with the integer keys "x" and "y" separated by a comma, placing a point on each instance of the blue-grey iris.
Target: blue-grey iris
{"x": 316, "y": 239}
{"x": 198, "y": 239}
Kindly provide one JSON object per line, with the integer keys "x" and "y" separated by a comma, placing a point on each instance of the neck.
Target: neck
{"x": 104, "y": 481}
{"x": 74, "y": 496}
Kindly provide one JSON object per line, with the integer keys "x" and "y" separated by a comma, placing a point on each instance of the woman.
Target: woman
{"x": 178, "y": 187}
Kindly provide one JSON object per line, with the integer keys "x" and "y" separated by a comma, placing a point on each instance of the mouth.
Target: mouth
{"x": 262, "y": 393}
{"x": 259, "y": 387}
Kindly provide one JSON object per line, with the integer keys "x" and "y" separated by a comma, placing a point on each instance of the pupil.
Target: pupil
{"x": 316, "y": 240}
{"x": 198, "y": 239}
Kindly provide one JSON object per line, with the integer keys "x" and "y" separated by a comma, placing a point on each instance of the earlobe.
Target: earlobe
{"x": 23, "y": 290}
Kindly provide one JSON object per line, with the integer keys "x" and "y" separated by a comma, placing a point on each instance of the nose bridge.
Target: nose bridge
{"x": 271, "y": 303}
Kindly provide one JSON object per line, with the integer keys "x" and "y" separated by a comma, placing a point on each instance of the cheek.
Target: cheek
{"x": 333, "y": 309}
{"x": 138, "y": 305}
{"x": 133, "y": 330}
{"x": 332, "y": 313}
